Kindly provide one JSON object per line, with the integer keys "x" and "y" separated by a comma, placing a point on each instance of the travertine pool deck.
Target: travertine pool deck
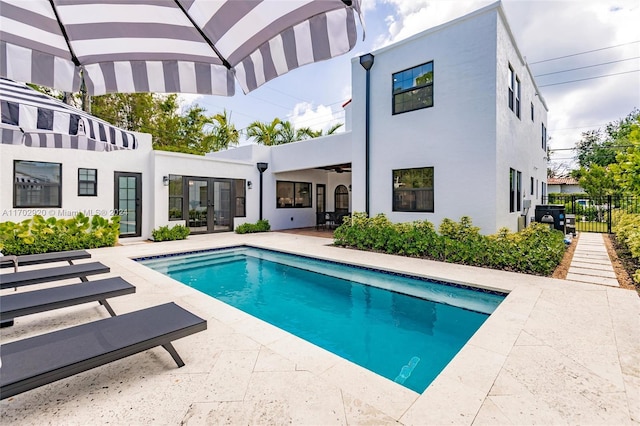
{"x": 554, "y": 352}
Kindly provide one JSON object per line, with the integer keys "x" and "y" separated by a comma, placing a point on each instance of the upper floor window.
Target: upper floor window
{"x": 37, "y": 184}
{"x": 531, "y": 111}
{"x": 413, "y": 88}
{"x": 512, "y": 85}
{"x": 87, "y": 182}
{"x": 517, "y": 111}
{"x": 544, "y": 137}
{"x": 293, "y": 194}
{"x": 413, "y": 190}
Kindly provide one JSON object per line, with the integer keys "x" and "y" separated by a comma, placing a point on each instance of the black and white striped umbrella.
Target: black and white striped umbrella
{"x": 169, "y": 46}
{"x": 35, "y": 119}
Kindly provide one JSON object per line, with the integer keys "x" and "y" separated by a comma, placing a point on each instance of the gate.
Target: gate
{"x": 594, "y": 214}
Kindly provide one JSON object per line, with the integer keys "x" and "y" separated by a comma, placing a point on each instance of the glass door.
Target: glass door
{"x": 128, "y": 203}
{"x": 320, "y": 198}
{"x": 222, "y": 205}
{"x": 198, "y": 205}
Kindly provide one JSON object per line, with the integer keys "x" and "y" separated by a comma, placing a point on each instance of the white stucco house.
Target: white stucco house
{"x": 446, "y": 123}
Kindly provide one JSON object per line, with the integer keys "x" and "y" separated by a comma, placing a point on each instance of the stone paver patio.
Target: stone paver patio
{"x": 554, "y": 352}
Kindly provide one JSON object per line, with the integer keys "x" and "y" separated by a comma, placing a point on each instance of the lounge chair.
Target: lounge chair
{"x": 37, "y": 276}
{"x": 38, "y": 259}
{"x": 32, "y": 302}
{"x": 46, "y": 358}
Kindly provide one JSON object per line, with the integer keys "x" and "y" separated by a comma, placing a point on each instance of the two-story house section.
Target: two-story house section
{"x": 455, "y": 125}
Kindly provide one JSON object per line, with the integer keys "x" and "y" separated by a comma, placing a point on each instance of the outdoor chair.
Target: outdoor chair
{"x": 36, "y": 361}
{"x": 31, "y": 302}
{"x": 321, "y": 220}
{"x": 37, "y": 276}
{"x": 37, "y": 259}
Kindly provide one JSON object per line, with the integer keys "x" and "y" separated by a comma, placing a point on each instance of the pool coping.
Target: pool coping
{"x": 474, "y": 387}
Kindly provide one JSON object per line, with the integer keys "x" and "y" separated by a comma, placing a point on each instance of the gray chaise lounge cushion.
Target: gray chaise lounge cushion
{"x": 38, "y": 360}
{"x": 58, "y": 256}
{"x": 37, "y": 276}
{"x": 31, "y": 302}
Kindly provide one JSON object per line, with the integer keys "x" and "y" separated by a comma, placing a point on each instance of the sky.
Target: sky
{"x": 595, "y": 81}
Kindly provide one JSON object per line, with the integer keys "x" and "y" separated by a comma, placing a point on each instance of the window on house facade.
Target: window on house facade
{"x": 544, "y": 190}
{"x": 37, "y": 184}
{"x": 176, "y": 195}
{"x": 293, "y": 194}
{"x": 515, "y": 190}
{"x": 512, "y": 84}
{"x": 341, "y": 199}
{"x": 413, "y": 190}
{"x": 532, "y": 111}
{"x": 544, "y": 137}
{"x": 517, "y": 111}
{"x": 532, "y": 185}
{"x": 413, "y": 88}
{"x": 87, "y": 182}
{"x": 240, "y": 190}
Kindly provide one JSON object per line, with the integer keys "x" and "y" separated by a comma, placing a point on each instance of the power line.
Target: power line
{"x": 582, "y": 53}
{"x": 588, "y": 66}
{"x": 589, "y": 78}
{"x": 575, "y": 128}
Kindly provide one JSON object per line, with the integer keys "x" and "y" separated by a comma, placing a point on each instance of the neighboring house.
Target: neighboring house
{"x": 564, "y": 186}
{"x": 457, "y": 127}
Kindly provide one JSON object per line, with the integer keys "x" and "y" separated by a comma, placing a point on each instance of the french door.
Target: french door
{"x": 128, "y": 203}
{"x": 208, "y": 204}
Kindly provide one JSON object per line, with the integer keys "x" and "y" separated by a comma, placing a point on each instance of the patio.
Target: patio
{"x": 553, "y": 352}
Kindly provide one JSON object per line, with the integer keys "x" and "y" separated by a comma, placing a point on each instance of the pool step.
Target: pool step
{"x": 203, "y": 263}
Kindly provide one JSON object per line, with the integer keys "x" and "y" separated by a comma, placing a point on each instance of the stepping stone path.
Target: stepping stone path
{"x": 591, "y": 263}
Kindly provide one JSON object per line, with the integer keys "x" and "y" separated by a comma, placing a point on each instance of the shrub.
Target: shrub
{"x": 535, "y": 250}
{"x": 259, "y": 226}
{"x": 626, "y": 226}
{"x": 40, "y": 235}
{"x": 164, "y": 233}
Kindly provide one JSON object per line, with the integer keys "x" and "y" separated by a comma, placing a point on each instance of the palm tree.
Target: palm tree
{"x": 265, "y": 133}
{"x": 225, "y": 132}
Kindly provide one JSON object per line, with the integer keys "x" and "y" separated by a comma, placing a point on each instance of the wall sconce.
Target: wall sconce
{"x": 349, "y": 188}
{"x": 249, "y": 184}
{"x": 165, "y": 180}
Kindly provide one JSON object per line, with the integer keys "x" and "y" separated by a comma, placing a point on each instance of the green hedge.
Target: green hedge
{"x": 164, "y": 233}
{"x": 247, "y": 228}
{"x": 40, "y": 235}
{"x": 535, "y": 250}
{"x": 626, "y": 226}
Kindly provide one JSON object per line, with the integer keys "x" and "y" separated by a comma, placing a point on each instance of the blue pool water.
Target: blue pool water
{"x": 403, "y": 328}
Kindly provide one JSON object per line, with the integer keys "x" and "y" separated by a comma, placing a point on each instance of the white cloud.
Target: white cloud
{"x": 321, "y": 117}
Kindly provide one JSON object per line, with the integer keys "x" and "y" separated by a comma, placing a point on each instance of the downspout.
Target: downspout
{"x": 367, "y": 62}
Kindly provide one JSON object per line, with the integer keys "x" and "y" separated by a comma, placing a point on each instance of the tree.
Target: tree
{"x": 597, "y": 181}
{"x": 264, "y": 133}
{"x": 601, "y": 148}
{"x": 190, "y": 131}
{"x": 626, "y": 170}
{"x": 225, "y": 133}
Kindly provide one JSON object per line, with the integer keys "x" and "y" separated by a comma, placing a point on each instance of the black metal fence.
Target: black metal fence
{"x": 595, "y": 214}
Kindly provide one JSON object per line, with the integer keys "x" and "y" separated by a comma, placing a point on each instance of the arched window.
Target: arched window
{"x": 341, "y": 197}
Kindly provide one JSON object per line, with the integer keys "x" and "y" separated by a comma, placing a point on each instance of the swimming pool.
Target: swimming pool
{"x": 403, "y": 328}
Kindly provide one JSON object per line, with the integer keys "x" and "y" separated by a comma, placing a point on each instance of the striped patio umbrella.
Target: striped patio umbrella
{"x": 35, "y": 119}
{"x": 169, "y": 46}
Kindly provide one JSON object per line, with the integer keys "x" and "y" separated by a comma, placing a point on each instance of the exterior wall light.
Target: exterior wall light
{"x": 249, "y": 184}
{"x": 165, "y": 180}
